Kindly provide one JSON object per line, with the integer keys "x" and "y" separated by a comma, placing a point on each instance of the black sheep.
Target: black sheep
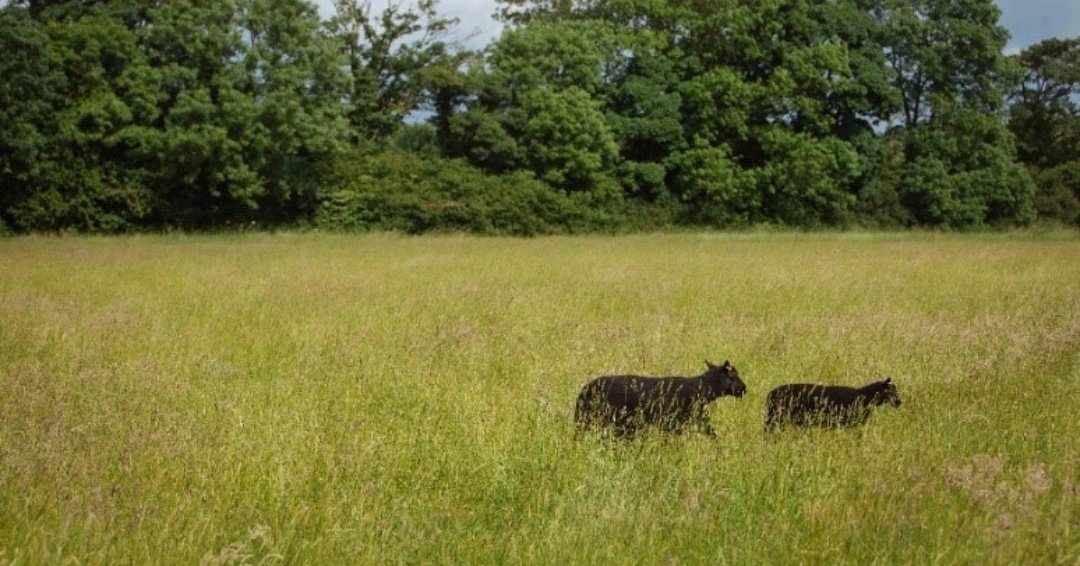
{"x": 626, "y": 403}
{"x": 804, "y": 404}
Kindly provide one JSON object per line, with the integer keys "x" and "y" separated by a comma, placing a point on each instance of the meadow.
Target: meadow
{"x": 318, "y": 399}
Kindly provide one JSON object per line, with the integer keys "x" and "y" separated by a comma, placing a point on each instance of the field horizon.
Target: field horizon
{"x": 379, "y": 398}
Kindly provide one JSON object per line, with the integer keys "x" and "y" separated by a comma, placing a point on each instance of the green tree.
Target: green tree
{"x": 190, "y": 113}
{"x": 553, "y": 55}
{"x": 205, "y": 150}
{"x": 538, "y": 107}
{"x": 250, "y": 102}
{"x": 482, "y": 137}
{"x": 29, "y": 89}
{"x": 958, "y": 166}
{"x": 448, "y": 83}
{"x": 566, "y": 140}
{"x": 943, "y": 53}
{"x": 522, "y": 12}
{"x": 644, "y": 110}
{"x": 1044, "y": 117}
{"x": 296, "y": 80}
{"x": 129, "y": 13}
{"x": 807, "y": 181}
{"x": 716, "y": 189}
{"x": 960, "y": 171}
{"x": 391, "y": 190}
{"x": 782, "y": 86}
{"x": 74, "y": 104}
{"x": 387, "y": 53}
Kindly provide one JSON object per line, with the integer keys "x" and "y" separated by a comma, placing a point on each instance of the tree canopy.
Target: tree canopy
{"x": 1045, "y": 119}
{"x": 121, "y": 115}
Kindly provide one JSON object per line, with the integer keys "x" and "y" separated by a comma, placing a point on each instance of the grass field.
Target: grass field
{"x": 323, "y": 399}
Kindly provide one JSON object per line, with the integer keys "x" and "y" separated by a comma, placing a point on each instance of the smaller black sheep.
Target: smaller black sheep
{"x": 627, "y": 402}
{"x": 804, "y": 404}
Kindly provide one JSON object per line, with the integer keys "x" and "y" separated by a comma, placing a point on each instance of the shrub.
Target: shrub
{"x": 1058, "y": 194}
{"x": 960, "y": 172}
{"x": 400, "y": 191}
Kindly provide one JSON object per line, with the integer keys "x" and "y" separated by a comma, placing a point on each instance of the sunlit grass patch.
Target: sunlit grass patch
{"x": 315, "y": 398}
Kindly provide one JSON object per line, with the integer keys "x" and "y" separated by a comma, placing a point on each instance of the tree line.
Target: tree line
{"x": 126, "y": 115}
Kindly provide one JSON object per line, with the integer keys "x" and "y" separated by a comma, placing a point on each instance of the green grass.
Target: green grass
{"x": 369, "y": 399}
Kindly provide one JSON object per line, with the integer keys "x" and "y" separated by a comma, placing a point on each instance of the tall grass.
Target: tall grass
{"x": 325, "y": 399}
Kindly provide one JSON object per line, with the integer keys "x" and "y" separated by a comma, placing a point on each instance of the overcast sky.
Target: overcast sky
{"x": 1029, "y": 21}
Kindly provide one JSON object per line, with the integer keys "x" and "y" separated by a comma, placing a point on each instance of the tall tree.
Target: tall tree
{"x": 75, "y": 100}
{"x": 205, "y": 156}
{"x": 566, "y": 140}
{"x": 29, "y": 86}
{"x": 958, "y": 163}
{"x": 772, "y": 86}
{"x": 960, "y": 170}
{"x": 539, "y": 109}
{"x": 1044, "y": 117}
{"x": 521, "y": 12}
{"x": 943, "y": 53}
{"x": 644, "y": 109}
{"x": 387, "y": 52}
{"x": 295, "y": 77}
{"x": 250, "y": 101}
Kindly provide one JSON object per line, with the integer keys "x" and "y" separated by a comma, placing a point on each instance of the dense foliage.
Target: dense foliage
{"x": 584, "y": 114}
{"x": 1045, "y": 119}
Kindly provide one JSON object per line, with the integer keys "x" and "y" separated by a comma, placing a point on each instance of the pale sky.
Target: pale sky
{"x": 1029, "y": 21}
{"x": 475, "y": 26}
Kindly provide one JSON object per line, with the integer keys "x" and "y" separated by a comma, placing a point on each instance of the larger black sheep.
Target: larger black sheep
{"x": 805, "y": 404}
{"x": 626, "y": 403}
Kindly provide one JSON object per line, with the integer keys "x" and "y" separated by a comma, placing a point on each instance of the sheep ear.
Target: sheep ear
{"x": 709, "y": 364}
{"x": 727, "y": 364}
{"x": 888, "y": 379}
